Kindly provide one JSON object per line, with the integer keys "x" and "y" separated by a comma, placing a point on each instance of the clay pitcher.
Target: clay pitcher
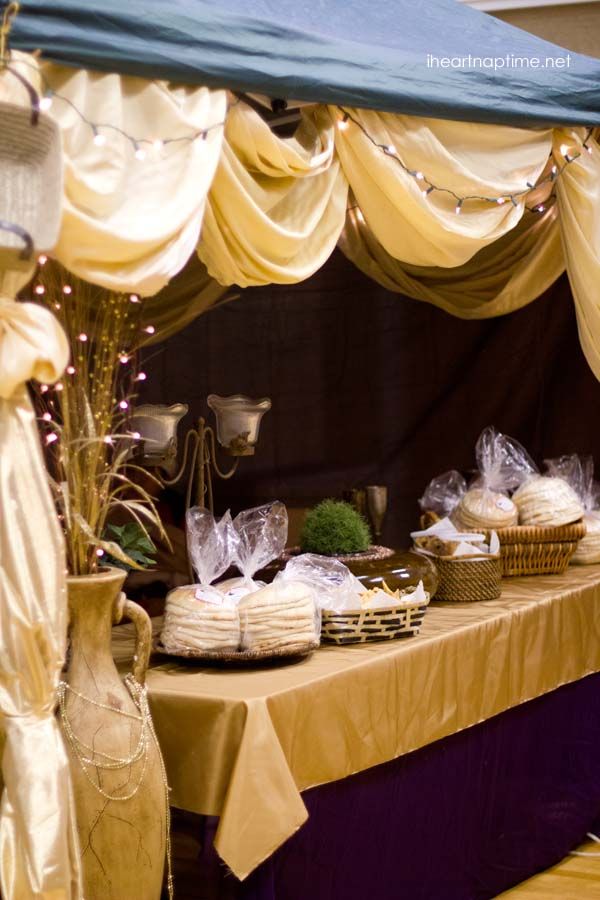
{"x": 122, "y": 841}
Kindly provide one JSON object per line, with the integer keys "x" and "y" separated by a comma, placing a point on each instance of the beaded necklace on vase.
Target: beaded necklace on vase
{"x": 87, "y": 756}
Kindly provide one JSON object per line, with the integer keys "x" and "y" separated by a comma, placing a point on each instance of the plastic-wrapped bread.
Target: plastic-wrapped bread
{"x": 484, "y": 508}
{"x": 588, "y": 548}
{"x": 578, "y": 471}
{"x": 547, "y": 500}
{"x": 279, "y": 617}
{"x": 193, "y": 624}
{"x": 503, "y": 464}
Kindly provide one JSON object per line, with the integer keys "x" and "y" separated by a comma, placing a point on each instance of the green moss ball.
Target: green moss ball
{"x": 334, "y": 528}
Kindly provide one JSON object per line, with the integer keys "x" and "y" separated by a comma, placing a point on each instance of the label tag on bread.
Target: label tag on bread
{"x": 209, "y": 596}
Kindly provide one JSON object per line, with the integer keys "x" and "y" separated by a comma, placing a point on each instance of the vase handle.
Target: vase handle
{"x": 126, "y": 608}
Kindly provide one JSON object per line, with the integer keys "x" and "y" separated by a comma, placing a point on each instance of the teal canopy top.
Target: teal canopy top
{"x": 434, "y": 58}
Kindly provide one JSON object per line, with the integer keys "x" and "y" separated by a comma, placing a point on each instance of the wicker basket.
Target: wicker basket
{"x": 364, "y": 625}
{"x": 538, "y": 550}
{"x": 468, "y": 579}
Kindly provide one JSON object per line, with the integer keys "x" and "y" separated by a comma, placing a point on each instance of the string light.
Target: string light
{"x": 99, "y": 138}
{"x": 108, "y": 439}
{"x": 39, "y": 289}
{"x": 51, "y": 438}
{"x": 141, "y": 376}
{"x": 42, "y": 260}
{"x": 44, "y": 388}
{"x": 418, "y": 175}
{"x": 46, "y": 103}
{"x": 99, "y": 551}
{"x": 67, "y": 289}
{"x": 360, "y": 216}
{"x": 71, "y": 370}
{"x": 134, "y": 298}
{"x": 158, "y": 145}
{"x": 123, "y": 404}
{"x": 123, "y": 359}
{"x": 139, "y": 153}
{"x": 58, "y": 386}
{"x": 47, "y": 417}
{"x": 149, "y": 329}
{"x": 82, "y": 337}
{"x": 136, "y": 435}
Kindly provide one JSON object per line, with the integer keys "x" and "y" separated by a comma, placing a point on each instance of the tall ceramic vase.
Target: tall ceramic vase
{"x": 118, "y": 776}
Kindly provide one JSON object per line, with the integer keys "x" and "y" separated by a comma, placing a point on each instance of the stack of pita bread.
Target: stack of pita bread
{"x": 482, "y": 508}
{"x": 547, "y": 500}
{"x": 193, "y": 624}
{"x": 588, "y": 548}
{"x": 280, "y": 617}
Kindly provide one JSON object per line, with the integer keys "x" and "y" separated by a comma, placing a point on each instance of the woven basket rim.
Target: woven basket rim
{"x": 542, "y": 534}
{"x": 385, "y": 610}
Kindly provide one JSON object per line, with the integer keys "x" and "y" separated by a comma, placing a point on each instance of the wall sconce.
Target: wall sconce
{"x": 238, "y": 423}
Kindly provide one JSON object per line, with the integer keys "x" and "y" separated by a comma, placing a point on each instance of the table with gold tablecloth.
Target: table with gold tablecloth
{"x": 243, "y": 744}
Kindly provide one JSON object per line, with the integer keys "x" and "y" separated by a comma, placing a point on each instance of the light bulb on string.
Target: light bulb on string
{"x": 44, "y": 388}
{"x": 133, "y": 298}
{"x": 99, "y": 138}
{"x": 140, "y": 153}
{"x": 344, "y": 123}
{"x": 42, "y": 259}
{"x": 136, "y": 435}
{"x": 123, "y": 359}
{"x": 149, "y": 329}
{"x": 360, "y": 216}
{"x": 58, "y": 386}
{"x": 51, "y": 438}
{"x": 47, "y": 417}
{"x": 67, "y": 289}
{"x": 564, "y": 151}
{"x": 123, "y": 404}
{"x": 141, "y": 376}
{"x": 46, "y": 102}
{"x": 71, "y": 370}
{"x": 458, "y": 207}
{"x": 99, "y": 551}
{"x": 389, "y": 149}
{"x": 158, "y": 145}
{"x": 39, "y": 289}
{"x": 501, "y": 200}
{"x": 419, "y": 176}
{"x": 82, "y": 337}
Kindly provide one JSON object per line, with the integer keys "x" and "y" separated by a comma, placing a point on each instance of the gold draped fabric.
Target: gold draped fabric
{"x": 243, "y": 745}
{"x": 500, "y": 278}
{"x": 579, "y": 205}
{"x": 260, "y": 208}
{"x": 39, "y": 855}
{"x": 277, "y": 205}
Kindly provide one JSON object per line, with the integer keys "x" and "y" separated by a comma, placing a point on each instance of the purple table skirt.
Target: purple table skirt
{"x": 462, "y": 819}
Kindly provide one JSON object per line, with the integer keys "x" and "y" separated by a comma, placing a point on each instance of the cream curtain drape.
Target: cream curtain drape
{"x": 579, "y": 207}
{"x": 277, "y": 205}
{"x": 39, "y": 854}
{"x": 260, "y": 208}
{"x": 132, "y": 223}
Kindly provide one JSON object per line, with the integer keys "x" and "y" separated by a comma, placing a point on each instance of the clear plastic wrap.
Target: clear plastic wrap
{"x": 336, "y": 588}
{"x": 260, "y": 537}
{"x": 503, "y": 465}
{"x": 212, "y": 547}
{"x": 443, "y": 493}
{"x": 578, "y": 472}
{"x": 199, "y": 616}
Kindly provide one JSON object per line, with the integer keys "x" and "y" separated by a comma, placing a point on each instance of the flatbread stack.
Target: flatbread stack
{"x": 588, "y": 548}
{"x": 193, "y": 624}
{"x": 483, "y": 508}
{"x": 546, "y": 500}
{"x": 280, "y": 617}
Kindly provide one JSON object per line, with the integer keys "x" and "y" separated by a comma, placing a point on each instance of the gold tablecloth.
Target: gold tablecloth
{"x": 243, "y": 744}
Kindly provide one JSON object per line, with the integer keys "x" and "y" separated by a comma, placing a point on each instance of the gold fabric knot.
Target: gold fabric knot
{"x": 32, "y": 345}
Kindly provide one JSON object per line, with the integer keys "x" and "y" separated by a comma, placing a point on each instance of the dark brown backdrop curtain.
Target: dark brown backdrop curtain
{"x": 371, "y": 387}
